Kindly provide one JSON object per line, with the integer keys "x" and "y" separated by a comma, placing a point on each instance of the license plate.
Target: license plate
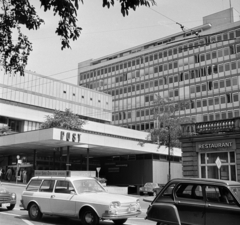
{"x": 6, "y": 204}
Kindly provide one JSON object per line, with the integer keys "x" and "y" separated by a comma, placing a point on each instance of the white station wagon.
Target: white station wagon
{"x": 77, "y": 197}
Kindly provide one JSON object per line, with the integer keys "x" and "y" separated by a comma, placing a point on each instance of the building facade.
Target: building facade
{"x": 201, "y": 64}
{"x": 25, "y": 101}
{"x": 212, "y": 149}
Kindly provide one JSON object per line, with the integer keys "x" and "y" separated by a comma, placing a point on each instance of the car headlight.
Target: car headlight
{"x": 138, "y": 206}
{"x": 113, "y": 207}
{"x": 14, "y": 196}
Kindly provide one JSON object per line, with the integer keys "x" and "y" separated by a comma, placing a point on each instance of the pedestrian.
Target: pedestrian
{"x": 24, "y": 176}
{"x": 0, "y": 176}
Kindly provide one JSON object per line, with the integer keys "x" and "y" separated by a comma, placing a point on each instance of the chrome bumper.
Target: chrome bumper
{"x": 120, "y": 216}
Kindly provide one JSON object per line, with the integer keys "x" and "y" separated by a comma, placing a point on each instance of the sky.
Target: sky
{"x": 106, "y": 31}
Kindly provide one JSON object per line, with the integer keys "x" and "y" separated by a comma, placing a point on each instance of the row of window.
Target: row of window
{"x": 194, "y": 104}
{"x": 168, "y": 53}
{"x": 182, "y": 76}
{"x": 210, "y": 85}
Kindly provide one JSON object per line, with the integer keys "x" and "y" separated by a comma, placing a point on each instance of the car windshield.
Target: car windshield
{"x": 236, "y": 191}
{"x": 88, "y": 186}
{"x": 150, "y": 185}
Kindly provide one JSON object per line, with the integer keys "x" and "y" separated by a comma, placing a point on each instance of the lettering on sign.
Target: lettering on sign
{"x": 68, "y": 136}
{"x": 215, "y": 145}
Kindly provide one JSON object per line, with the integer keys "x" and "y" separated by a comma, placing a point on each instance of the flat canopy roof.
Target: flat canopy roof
{"x": 45, "y": 141}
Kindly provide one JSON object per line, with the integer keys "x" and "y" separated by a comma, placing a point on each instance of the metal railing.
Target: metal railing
{"x": 217, "y": 126}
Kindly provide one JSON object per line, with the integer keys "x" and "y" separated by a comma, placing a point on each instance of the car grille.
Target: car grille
{"x": 127, "y": 207}
{"x": 5, "y": 198}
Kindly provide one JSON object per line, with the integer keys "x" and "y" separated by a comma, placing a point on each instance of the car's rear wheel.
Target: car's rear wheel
{"x": 11, "y": 207}
{"x": 89, "y": 217}
{"x": 34, "y": 212}
{"x": 119, "y": 222}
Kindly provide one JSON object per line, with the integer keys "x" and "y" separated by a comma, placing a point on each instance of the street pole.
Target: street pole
{"x": 169, "y": 160}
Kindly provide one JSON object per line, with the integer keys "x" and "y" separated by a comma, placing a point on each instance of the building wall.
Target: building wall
{"x": 182, "y": 66}
{"x": 161, "y": 171}
{"x": 49, "y": 94}
{"x": 191, "y": 153}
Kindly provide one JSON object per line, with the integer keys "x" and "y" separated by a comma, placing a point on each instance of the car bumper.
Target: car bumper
{"x": 121, "y": 216}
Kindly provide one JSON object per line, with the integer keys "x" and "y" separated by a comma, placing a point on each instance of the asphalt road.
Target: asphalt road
{"x": 20, "y": 217}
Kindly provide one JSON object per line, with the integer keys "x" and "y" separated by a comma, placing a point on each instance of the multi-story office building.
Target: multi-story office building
{"x": 201, "y": 64}
{"x": 25, "y": 101}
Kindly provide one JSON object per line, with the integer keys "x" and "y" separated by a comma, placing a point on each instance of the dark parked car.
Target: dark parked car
{"x": 189, "y": 201}
{"x": 8, "y": 199}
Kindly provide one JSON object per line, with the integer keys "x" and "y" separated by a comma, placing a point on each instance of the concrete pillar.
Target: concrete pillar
{"x": 87, "y": 159}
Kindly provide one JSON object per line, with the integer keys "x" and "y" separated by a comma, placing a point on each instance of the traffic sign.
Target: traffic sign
{"x": 218, "y": 163}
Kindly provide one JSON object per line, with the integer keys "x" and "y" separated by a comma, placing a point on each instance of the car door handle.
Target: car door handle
{"x": 52, "y": 196}
{"x": 208, "y": 205}
{"x": 178, "y": 202}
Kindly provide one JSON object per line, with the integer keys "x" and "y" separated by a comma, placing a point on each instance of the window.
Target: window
{"x": 222, "y": 84}
{"x": 204, "y": 102}
{"x": 170, "y": 80}
{"x": 189, "y": 192}
{"x": 223, "y": 99}
{"x": 226, "y": 51}
{"x": 228, "y": 83}
{"x": 209, "y": 170}
{"x": 220, "y": 53}
{"x": 235, "y": 97}
{"x": 198, "y": 88}
{"x": 210, "y": 101}
{"x": 34, "y": 185}
{"x": 214, "y": 55}
{"x": 227, "y": 66}
{"x": 64, "y": 187}
{"x": 202, "y": 57}
{"x": 204, "y": 87}
{"x": 156, "y": 83}
{"x": 208, "y": 56}
{"x": 216, "y": 100}
{"x": 199, "y": 104}
{"x": 47, "y": 186}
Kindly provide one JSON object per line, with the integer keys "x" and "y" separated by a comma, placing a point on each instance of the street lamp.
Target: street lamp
{"x": 169, "y": 154}
{"x": 18, "y": 157}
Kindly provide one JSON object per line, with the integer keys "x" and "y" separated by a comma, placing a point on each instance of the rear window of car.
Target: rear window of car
{"x": 34, "y": 185}
{"x": 236, "y": 191}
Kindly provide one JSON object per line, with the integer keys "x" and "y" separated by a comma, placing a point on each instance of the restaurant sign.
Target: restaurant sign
{"x": 216, "y": 145}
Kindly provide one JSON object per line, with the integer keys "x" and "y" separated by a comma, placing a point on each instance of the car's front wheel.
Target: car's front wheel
{"x": 34, "y": 212}
{"x": 89, "y": 217}
{"x": 119, "y": 222}
{"x": 11, "y": 207}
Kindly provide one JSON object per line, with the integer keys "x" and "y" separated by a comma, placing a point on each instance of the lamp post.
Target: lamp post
{"x": 169, "y": 154}
{"x": 18, "y": 157}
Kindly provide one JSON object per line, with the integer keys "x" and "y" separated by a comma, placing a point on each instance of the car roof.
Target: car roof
{"x": 72, "y": 178}
{"x": 207, "y": 181}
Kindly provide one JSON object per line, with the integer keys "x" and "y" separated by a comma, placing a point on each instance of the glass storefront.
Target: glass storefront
{"x": 209, "y": 169}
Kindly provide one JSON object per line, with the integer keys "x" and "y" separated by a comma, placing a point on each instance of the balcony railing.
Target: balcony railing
{"x": 217, "y": 126}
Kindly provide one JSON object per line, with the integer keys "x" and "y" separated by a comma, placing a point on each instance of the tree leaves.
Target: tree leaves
{"x": 66, "y": 120}
{"x": 16, "y": 13}
{"x": 167, "y": 129}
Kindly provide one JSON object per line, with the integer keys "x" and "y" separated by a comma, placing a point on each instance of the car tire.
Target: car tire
{"x": 34, "y": 212}
{"x": 89, "y": 217}
{"x": 119, "y": 222}
{"x": 11, "y": 207}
